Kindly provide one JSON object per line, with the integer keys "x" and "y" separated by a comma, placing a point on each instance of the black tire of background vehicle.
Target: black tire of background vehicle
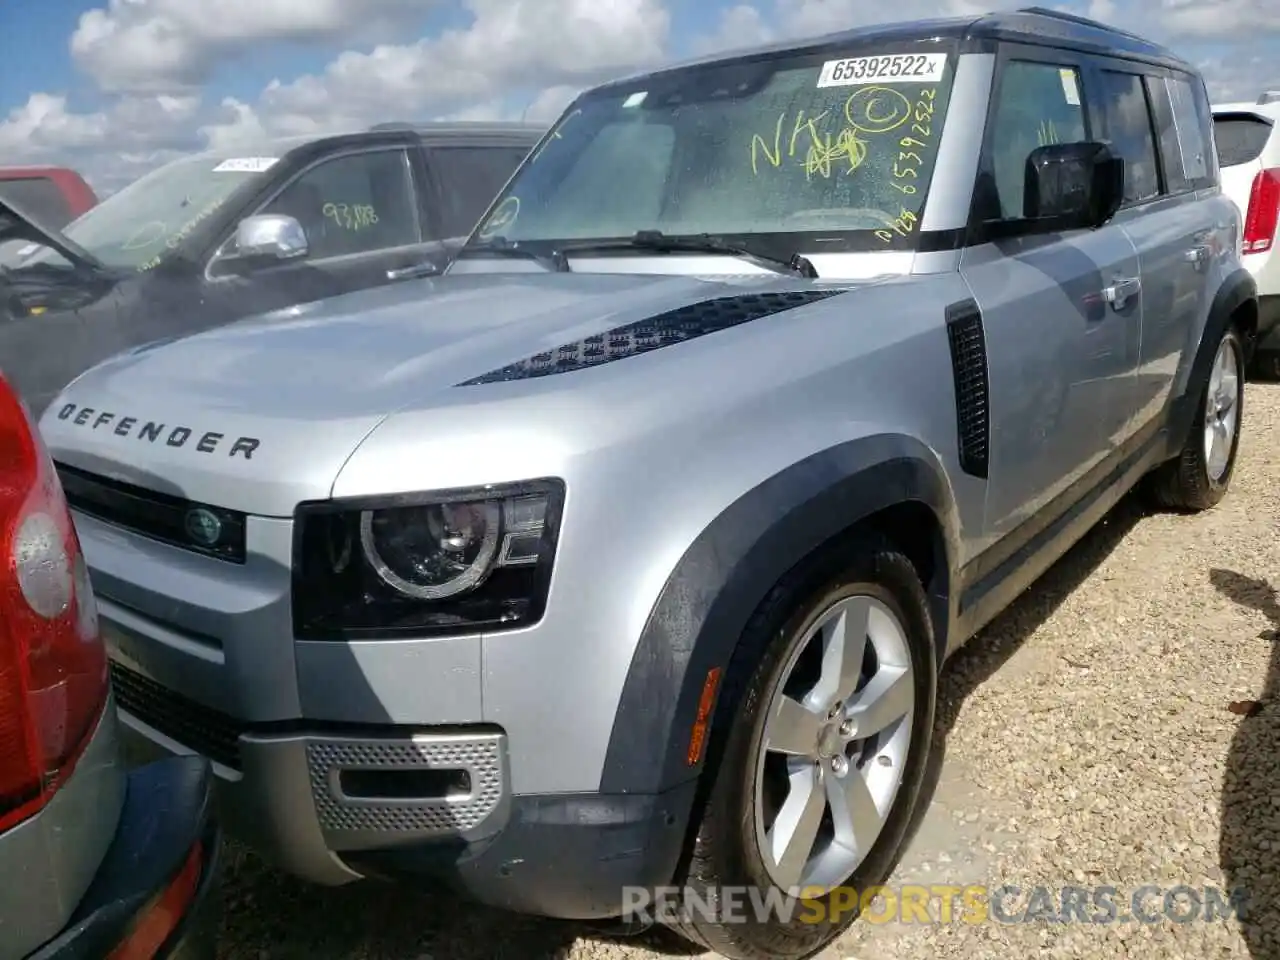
{"x": 1184, "y": 483}
{"x": 1265, "y": 366}
{"x": 725, "y": 850}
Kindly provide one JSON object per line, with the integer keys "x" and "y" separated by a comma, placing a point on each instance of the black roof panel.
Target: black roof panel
{"x": 1032, "y": 25}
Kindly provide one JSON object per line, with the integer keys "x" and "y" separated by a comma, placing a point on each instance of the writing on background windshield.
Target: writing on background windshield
{"x": 828, "y": 145}
{"x": 135, "y": 228}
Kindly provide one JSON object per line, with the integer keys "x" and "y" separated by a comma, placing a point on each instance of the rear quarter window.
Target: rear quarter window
{"x": 1241, "y": 138}
{"x": 470, "y": 178}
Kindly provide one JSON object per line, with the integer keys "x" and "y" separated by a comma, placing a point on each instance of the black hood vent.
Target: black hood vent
{"x": 663, "y": 330}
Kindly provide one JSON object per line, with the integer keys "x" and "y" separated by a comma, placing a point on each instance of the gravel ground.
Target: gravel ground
{"x": 1118, "y": 726}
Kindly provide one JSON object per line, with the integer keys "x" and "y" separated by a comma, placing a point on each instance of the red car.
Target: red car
{"x": 97, "y": 861}
{"x": 54, "y": 195}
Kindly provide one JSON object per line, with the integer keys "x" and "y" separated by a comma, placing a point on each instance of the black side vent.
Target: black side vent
{"x": 969, "y": 367}
{"x": 663, "y": 330}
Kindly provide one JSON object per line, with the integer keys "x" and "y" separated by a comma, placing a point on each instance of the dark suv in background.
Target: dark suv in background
{"x": 207, "y": 239}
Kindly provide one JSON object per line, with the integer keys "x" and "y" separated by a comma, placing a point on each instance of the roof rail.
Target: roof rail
{"x": 1078, "y": 20}
{"x": 1269, "y": 96}
{"x": 392, "y": 125}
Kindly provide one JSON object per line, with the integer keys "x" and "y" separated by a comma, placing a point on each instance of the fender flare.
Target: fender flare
{"x": 1238, "y": 288}
{"x": 718, "y": 583}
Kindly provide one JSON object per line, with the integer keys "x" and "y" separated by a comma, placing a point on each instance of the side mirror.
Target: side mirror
{"x": 270, "y": 236}
{"x": 1073, "y": 186}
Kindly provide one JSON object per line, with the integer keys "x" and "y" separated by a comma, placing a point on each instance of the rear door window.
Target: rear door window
{"x": 1127, "y": 127}
{"x": 40, "y": 197}
{"x": 470, "y": 178}
{"x": 1241, "y": 137}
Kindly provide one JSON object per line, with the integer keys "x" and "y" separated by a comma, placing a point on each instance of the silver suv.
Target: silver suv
{"x": 626, "y": 553}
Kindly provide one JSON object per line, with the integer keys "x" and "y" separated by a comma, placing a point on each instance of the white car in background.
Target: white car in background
{"x": 1249, "y": 157}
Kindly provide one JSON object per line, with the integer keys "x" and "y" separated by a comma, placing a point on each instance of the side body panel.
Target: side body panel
{"x": 1061, "y": 363}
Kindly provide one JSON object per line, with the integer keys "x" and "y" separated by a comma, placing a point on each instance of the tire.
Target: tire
{"x": 1265, "y": 366}
{"x": 727, "y": 849}
{"x": 1190, "y": 482}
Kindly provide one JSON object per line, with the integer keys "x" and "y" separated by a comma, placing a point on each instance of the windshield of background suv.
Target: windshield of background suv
{"x": 820, "y": 152}
{"x": 134, "y": 228}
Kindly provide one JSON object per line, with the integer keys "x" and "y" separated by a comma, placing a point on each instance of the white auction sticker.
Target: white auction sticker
{"x": 892, "y": 68}
{"x": 1069, "y": 88}
{"x": 245, "y": 165}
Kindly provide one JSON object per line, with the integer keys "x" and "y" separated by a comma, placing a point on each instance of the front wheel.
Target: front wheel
{"x": 1198, "y": 477}
{"x": 824, "y": 759}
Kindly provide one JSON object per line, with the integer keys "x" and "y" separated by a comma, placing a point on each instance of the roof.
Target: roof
{"x": 430, "y": 130}
{"x": 464, "y": 128}
{"x": 1029, "y": 25}
{"x": 1270, "y": 111}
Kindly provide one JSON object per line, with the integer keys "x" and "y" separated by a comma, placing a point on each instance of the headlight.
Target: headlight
{"x": 454, "y": 561}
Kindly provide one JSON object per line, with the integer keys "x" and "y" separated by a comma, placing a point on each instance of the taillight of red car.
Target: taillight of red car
{"x": 1263, "y": 215}
{"x": 53, "y": 666}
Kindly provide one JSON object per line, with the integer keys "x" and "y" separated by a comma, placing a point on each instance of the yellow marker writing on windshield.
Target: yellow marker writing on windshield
{"x": 820, "y": 150}
{"x": 869, "y": 112}
{"x": 877, "y": 110}
{"x": 503, "y": 217}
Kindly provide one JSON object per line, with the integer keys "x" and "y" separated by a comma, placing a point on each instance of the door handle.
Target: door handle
{"x": 427, "y": 269}
{"x": 1120, "y": 290}
{"x": 1197, "y": 256}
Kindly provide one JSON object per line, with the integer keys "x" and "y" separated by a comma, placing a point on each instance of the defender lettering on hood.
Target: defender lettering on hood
{"x": 211, "y": 441}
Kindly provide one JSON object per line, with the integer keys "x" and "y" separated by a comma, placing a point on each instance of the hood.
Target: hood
{"x": 17, "y": 224}
{"x": 282, "y": 400}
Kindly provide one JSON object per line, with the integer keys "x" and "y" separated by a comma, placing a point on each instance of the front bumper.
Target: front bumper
{"x": 166, "y": 816}
{"x": 333, "y": 804}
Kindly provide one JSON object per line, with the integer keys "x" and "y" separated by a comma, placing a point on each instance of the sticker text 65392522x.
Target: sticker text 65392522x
{"x": 891, "y": 68}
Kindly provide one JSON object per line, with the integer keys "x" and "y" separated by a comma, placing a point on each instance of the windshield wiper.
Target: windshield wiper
{"x": 701, "y": 243}
{"x": 554, "y": 259}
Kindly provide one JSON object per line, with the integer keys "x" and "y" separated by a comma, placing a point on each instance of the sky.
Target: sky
{"x": 114, "y": 88}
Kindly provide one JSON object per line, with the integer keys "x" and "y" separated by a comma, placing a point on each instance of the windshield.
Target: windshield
{"x": 824, "y": 152}
{"x": 134, "y": 228}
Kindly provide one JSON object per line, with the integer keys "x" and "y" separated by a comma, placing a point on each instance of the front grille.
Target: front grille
{"x": 198, "y": 527}
{"x": 208, "y": 732}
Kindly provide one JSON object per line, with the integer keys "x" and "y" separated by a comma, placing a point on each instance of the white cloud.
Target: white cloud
{"x": 155, "y": 45}
{"x": 1190, "y": 20}
{"x": 746, "y": 24}
{"x": 110, "y": 147}
{"x": 510, "y": 58}
{"x": 742, "y": 25}
{"x": 510, "y": 45}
